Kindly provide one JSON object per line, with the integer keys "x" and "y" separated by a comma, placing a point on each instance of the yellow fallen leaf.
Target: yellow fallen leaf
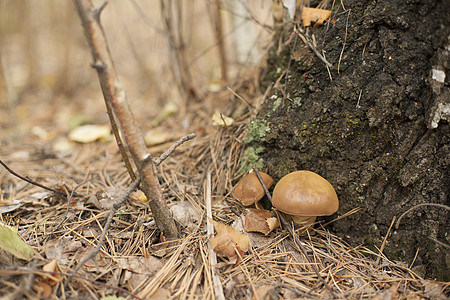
{"x": 142, "y": 196}
{"x": 42, "y": 134}
{"x": 314, "y": 15}
{"x": 90, "y": 133}
{"x": 156, "y": 136}
{"x": 228, "y": 242}
{"x": 11, "y": 242}
{"x": 219, "y": 119}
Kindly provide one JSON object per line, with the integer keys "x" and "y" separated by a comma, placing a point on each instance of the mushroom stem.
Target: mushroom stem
{"x": 303, "y": 221}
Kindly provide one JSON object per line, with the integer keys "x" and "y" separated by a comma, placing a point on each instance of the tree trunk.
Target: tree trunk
{"x": 378, "y": 131}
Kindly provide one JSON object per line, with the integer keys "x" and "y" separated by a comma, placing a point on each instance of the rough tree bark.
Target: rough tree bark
{"x": 115, "y": 99}
{"x": 378, "y": 131}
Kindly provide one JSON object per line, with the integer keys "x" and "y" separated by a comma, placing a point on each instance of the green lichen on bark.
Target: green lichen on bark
{"x": 256, "y": 131}
{"x": 252, "y": 157}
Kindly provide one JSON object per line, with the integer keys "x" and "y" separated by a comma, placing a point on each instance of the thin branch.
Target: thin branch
{"x": 383, "y": 244}
{"x": 306, "y": 40}
{"x": 115, "y": 97}
{"x": 99, "y": 10}
{"x": 29, "y": 180}
{"x": 293, "y": 235}
{"x": 169, "y": 151}
{"x": 439, "y": 243}
{"x": 417, "y": 206}
{"x": 345, "y": 41}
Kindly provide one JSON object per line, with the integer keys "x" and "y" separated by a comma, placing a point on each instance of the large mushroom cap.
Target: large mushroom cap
{"x": 249, "y": 190}
{"x": 305, "y": 193}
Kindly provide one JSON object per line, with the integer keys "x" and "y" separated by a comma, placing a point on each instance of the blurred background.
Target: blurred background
{"x": 165, "y": 52}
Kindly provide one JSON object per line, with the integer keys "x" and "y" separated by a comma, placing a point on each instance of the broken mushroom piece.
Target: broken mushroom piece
{"x": 249, "y": 190}
{"x": 304, "y": 195}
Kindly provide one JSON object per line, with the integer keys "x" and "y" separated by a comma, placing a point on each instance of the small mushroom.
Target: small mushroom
{"x": 304, "y": 195}
{"x": 249, "y": 190}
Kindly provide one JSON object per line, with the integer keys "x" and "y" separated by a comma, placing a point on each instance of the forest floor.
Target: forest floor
{"x": 136, "y": 261}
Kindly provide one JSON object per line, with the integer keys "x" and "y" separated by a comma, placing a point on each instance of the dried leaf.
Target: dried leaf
{"x": 219, "y": 119}
{"x": 314, "y": 15}
{"x": 185, "y": 214}
{"x": 90, "y": 133}
{"x": 63, "y": 145}
{"x": 11, "y": 242}
{"x": 42, "y": 134}
{"x": 156, "y": 136}
{"x": 9, "y": 205}
{"x": 141, "y": 196}
{"x": 51, "y": 279}
{"x": 228, "y": 242}
{"x": 272, "y": 223}
{"x": 141, "y": 265}
{"x": 260, "y": 220}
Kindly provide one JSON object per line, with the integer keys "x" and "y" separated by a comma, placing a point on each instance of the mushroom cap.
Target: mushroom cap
{"x": 305, "y": 193}
{"x": 249, "y": 190}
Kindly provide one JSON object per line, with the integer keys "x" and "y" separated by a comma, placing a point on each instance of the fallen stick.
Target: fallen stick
{"x": 218, "y": 290}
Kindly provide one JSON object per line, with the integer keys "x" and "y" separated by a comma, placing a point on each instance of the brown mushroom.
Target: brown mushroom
{"x": 249, "y": 190}
{"x": 304, "y": 195}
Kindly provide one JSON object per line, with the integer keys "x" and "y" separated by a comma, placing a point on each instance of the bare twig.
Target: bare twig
{"x": 417, "y": 206}
{"x": 306, "y": 40}
{"x": 217, "y": 23}
{"x": 177, "y": 45}
{"x": 169, "y": 151}
{"x": 121, "y": 198}
{"x": 249, "y": 105}
{"x": 293, "y": 235}
{"x": 29, "y": 180}
{"x": 345, "y": 41}
{"x": 115, "y": 97}
{"x": 383, "y": 244}
{"x": 439, "y": 243}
